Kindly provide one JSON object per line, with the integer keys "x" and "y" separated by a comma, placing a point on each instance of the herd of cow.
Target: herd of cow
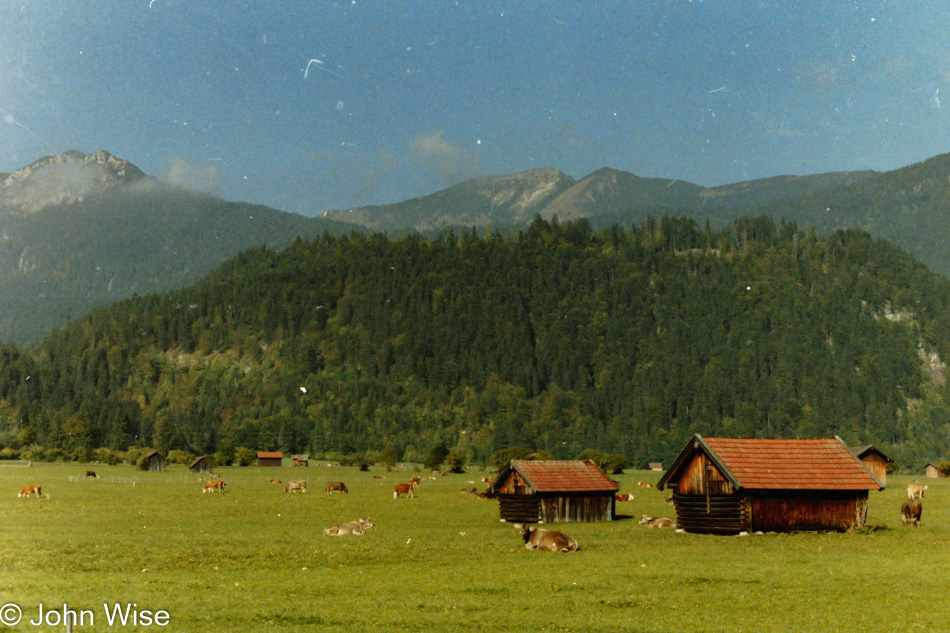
{"x": 534, "y": 538}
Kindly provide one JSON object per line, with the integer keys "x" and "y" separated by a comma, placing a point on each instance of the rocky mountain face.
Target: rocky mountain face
{"x": 62, "y": 179}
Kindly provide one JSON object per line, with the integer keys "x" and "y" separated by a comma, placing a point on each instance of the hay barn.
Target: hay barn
{"x": 933, "y": 471}
{"x": 554, "y": 491}
{"x": 656, "y": 466}
{"x": 268, "y": 459}
{"x": 200, "y": 465}
{"x": 874, "y": 460}
{"x": 156, "y": 461}
{"x": 729, "y": 485}
{"x": 300, "y": 460}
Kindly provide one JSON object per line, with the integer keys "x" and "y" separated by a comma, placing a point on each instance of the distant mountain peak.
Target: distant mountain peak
{"x": 68, "y": 177}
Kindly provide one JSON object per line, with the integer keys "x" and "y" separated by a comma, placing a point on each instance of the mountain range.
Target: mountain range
{"x": 82, "y": 230}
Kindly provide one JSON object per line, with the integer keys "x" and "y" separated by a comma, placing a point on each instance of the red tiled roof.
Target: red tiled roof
{"x": 266, "y": 455}
{"x": 564, "y": 476}
{"x": 820, "y": 464}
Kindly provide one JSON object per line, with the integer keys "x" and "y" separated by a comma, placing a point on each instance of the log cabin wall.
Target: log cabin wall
{"x": 878, "y": 467}
{"x": 577, "y": 508}
{"x": 785, "y": 511}
{"x": 713, "y": 514}
{"x": 514, "y": 485}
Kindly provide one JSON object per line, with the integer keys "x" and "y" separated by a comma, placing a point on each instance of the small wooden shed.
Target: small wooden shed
{"x": 156, "y": 461}
{"x": 200, "y": 465}
{"x": 300, "y": 460}
{"x": 933, "y": 471}
{"x": 874, "y": 460}
{"x": 270, "y": 459}
{"x": 730, "y": 485}
{"x": 656, "y": 466}
{"x": 554, "y": 491}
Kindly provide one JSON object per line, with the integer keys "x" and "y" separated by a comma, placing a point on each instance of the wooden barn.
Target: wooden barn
{"x": 554, "y": 491}
{"x": 729, "y": 485}
{"x": 874, "y": 460}
{"x": 300, "y": 460}
{"x": 656, "y": 466}
{"x": 200, "y": 465}
{"x": 933, "y": 471}
{"x": 156, "y": 461}
{"x": 265, "y": 458}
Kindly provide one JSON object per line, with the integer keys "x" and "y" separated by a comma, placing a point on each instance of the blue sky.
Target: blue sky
{"x": 309, "y": 106}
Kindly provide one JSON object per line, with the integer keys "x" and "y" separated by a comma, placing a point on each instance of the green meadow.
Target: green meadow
{"x": 256, "y": 559}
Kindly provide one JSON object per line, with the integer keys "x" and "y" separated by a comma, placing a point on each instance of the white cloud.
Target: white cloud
{"x": 183, "y": 174}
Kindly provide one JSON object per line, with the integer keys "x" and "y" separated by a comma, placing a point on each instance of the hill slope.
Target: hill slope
{"x": 82, "y": 230}
{"x": 560, "y": 339}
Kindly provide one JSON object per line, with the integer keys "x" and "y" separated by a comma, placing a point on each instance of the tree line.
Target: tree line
{"x": 556, "y": 337}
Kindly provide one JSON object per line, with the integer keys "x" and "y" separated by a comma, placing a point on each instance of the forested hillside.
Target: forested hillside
{"x": 557, "y": 338}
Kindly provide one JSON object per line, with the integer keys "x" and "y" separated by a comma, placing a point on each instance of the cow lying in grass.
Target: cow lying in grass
{"x": 26, "y": 491}
{"x": 656, "y": 522}
{"x": 356, "y": 528}
{"x": 910, "y": 511}
{"x": 537, "y": 538}
{"x": 214, "y": 486}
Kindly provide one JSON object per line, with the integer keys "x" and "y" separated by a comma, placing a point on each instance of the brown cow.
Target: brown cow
{"x": 405, "y": 489}
{"x": 356, "y": 528}
{"x": 644, "y": 484}
{"x": 214, "y": 486}
{"x": 910, "y": 511}
{"x": 624, "y": 497}
{"x": 92, "y": 473}
{"x": 339, "y": 486}
{"x": 537, "y": 538}
{"x": 26, "y": 491}
{"x": 274, "y": 481}
{"x": 296, "y": 485}
{"x": 656, "y": 522}
{"x": 488, "y": 480}
{"x": 415, "y": 481}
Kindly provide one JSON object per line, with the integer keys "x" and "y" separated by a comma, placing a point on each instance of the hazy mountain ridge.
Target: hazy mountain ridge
{"x": 605, "y": 193}
{"x": 79, "y": 231}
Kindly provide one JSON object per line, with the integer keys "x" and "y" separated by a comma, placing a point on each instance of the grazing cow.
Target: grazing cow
{"x": 915, "y": 490}
{"x": 656, "y": 522}
{"x": 31, "y": 490}
{"x": 537, "y": 538}
{"x": 274, "y": 481}
{"x": 644, "y": 484}
{"x": 910, "y": 511}
{"x": 214, "y": 486}
{"x": 356, "y": 528}
{"x": 339, "y": 486}
{"x": 405, "y": 489}
{"x": 624, "y": 497}
{"x": 92, "y": 473}
{"x": 298, "y": 485}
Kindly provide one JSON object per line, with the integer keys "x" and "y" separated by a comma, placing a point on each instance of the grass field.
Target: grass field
{"x": 256, "y": 559}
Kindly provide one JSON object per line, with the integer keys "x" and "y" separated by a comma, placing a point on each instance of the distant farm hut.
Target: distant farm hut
{"x": 933, "y": 471}
{"x": 874, "y": 460}
{"x": 656, "y": 466}
{"x": 300, "y": 460}
{"x": 270, "y": 459}
{"x": 728, "y": 485}
{"x": 200, "y": 465}
{"x": 156, "y": 461}
{"x": 554, "y": 491}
